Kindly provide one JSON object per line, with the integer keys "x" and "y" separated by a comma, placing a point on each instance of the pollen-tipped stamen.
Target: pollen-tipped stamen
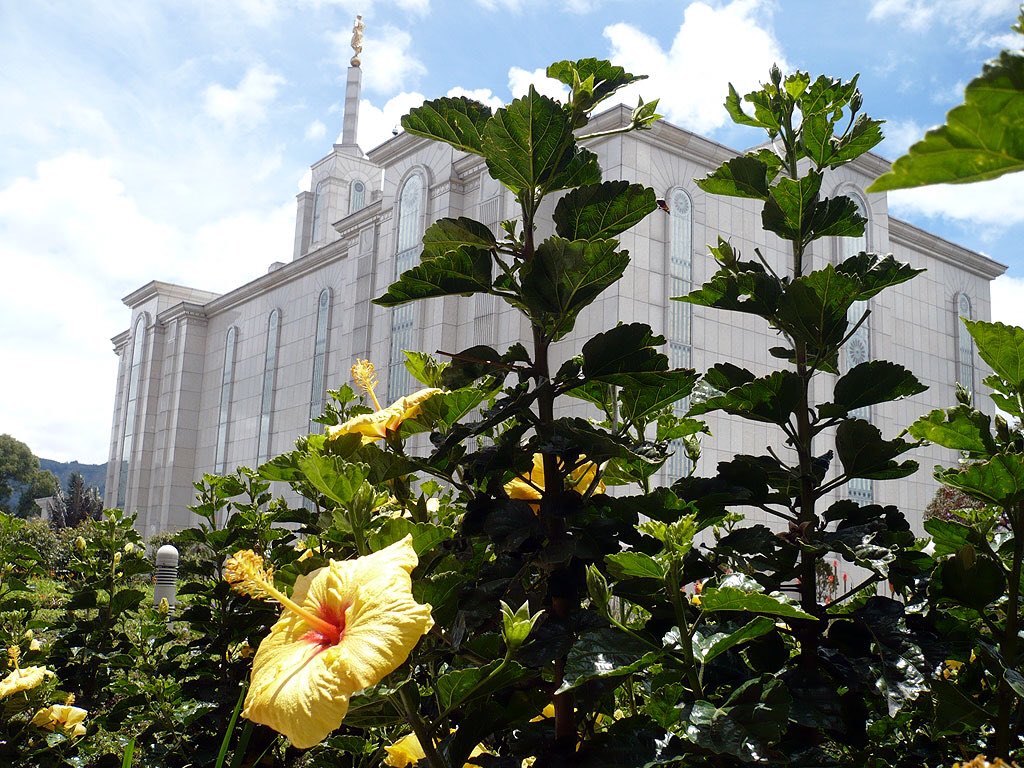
{"x": 365, "y": 377}
{"x": 246, "y": 574}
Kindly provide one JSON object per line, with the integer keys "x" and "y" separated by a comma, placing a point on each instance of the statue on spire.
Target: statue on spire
{"x": 357, "y": 39}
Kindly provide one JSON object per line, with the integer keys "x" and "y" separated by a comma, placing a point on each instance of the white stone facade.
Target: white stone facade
{"x": 178, "y": 415}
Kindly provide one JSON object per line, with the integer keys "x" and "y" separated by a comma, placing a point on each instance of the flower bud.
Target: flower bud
{"x": 80, "y": 544}
{"x": 29, "y": 634}
{"x": 129, "y": 548}
{"x": 117, "y": 559}
{"x": 517, "y": 625}
{"x": 164, "y": 607}
{"x": 34, "y": 645}
{"x": 597, "y": 586}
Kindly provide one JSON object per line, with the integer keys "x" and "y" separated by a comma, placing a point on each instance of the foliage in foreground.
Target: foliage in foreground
{"x": 568, "y": 625}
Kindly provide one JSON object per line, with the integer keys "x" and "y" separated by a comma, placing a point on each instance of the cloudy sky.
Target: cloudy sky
{"x": 167, "y": 139}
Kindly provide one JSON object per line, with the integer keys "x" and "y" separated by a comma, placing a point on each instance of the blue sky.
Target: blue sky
{"x": 167, "y": 139}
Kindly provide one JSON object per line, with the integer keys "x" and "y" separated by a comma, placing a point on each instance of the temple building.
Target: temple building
{"x": 207, "y": 382}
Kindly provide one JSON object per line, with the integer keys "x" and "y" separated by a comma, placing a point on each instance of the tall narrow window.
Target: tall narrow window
{"x": 357, "y": 199}
{"x": 131, "y": 409}
{"x": 410, "y": 230}
{"x": 857, "y": 351}
{"x": 316, "y": 394}
{"x": 680, "y": 314}
{"x": 227, "y": 380}
{"x": 964, "y": 344}
{"x": 269, "y": 376}
{"x": 319, "y": 212}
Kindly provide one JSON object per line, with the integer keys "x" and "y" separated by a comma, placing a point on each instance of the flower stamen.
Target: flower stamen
{"x": 365, "y": 377}
{"x": 246, "y": 574}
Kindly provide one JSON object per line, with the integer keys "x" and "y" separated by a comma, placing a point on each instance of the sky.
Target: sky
{"x": 167, "y": 139}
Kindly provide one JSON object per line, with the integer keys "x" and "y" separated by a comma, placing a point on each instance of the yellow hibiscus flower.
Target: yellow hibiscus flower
{"x": 376, "y": 425}
{"x": 407, "y": 751}
{"x": 68, "y": 717}
{"x": 529, "y": 487}
{"x": 23, "y": 680}
{"x": 345, "y": 627}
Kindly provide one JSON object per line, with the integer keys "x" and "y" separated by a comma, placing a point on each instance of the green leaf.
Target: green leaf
{"x": 448, "y": 408}
{"x": 707, "y": 648}
{"x": 647, "y": 393}
{"x": 871, "y": 382}
{"x": 601, "y": 653}
{"x": 864, "y": 453}
{"x": 623, "y": 350}
{"x": 600, "y": 211}
{"x": 772, "y": 398}
{"x": 972, "y": 580}
{"x": 961, "y": 428}
{"x": 999, "y": 481}
{"x": 425, "y": 536}
{"x": 982, "y": 139}
{"x": 528, "y": 142}
{"x": 874, "y": 273}
{"x": 741, "y": 593}
{"x": 608, "y": 77}
{"x": 814, "y": 309}
{"x": 567, "y": 275}
{"x": 581, "y": 170}
{"x": 461, "y": 686}
{"x": 463, "y": 271}
{"x": 865, "y": 135}
{"x": 734, "y": 107}
{"x": 426, "y": 369}
{"x": 457, "y": 121}
{"x": 744, "y": 176}
{"x": 450, "y": 234}
{"x": 634, "y": 565}
{"x": 949, "y": 536}
{"x": 788, "y": 208}
{"x": 1002, "y": 347}
{"x": 126, "y": 600}
{"x": 741, "y": 287}
{"x": 902, "y": 676}
{"x": 335, "y": 477}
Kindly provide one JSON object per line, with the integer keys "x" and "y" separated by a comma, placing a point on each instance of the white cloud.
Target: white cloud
{"x": 899, "y": 135}
{"x": 919, "y": 15}
{"x": 377, "y": 123}
{"x": 483, "y": 95}
{"x": 692, "y": 77}
{"x": 387, "y": 63}
{"x": 74, "y": 240}
{"x": 519, "y": 82}
{"x": 316, "y": 130}
{"x": 993, "y": 203}
{"x": 1008, "y": 300}
{"x": 246, "y": 105}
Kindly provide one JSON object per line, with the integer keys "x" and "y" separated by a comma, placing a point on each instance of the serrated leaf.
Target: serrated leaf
{"x": 874, "y": 273}
{"x": 982, "y": 139}
{"x": 449, "y": 234}
{"x": 1002, "y": 347}
{"x": 789, "y": 206}
{"x": 744, "y": 176}
{"x": 864, "y": 453}
{"x": 961, "y": 428}
{"x": 607, "y": 77}
{"x": 425, "y": 536}
{"x": 454, "y": 120}
{"x": 626, "y": 348}
{"x": 999, "y": 481}
{"x": 601, "y": 653}
{"x": 752, "y": 290}
{"x": 869, "y": 383}
{"x": 426, "y": 369}
{"x": 463, "y": 271}
{"x": 461, "y": 686}
{"x": 126, "y": 600}
{"x": 600, "y": 211}
{"x": 634, "y": 565}
{"x": 865, "y": 135}
{"x": 814, "y": 309}
{"x": 734, "y": 107}
{"x": 646, "y": 393}
{"x": 741, "y": 593}
{"x": 948, "y": 536}
{"x": 567, "y": 275}
{"x": 335, "y": 477}
{"x": 528, "y": 142}
{"x": 706, "y": 649}
{"x": 772, "y": 398}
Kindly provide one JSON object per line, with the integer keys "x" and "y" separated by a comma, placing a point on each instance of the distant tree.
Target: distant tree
{"x": 79, "y": 503}
{"x": 946, "y": 501}
{"x": 41, "y": 485}
{"x": 17, "y": 465}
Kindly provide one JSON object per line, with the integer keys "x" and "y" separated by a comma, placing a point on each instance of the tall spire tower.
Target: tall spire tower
{"x": 350, "y": 127}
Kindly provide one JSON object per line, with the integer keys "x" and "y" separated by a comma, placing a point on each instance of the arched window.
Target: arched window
{"x": 316, "y": 395}
{"x": 858, "y": 347}
{"x": 964, "y": 344}
{"x": 269, "y": 376}
{"x": 680, "y": 314}
{"x": 357, "y": 198}
{"x": 410, "y": 233}
{"x": 319, "y": 212}
{"x": 131, "y": 408}
{"x": 227, "y": 380}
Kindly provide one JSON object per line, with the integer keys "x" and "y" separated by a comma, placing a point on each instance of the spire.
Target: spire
{"x": 352, "y": 86}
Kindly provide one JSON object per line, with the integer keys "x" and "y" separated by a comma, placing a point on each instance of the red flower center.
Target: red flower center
{"x": 333, "y": 616}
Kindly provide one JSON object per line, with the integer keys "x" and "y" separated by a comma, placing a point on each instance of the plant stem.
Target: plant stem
{"x": 685, "y": 638}
{"x": 1008, "y": 642}
{"x": 423, "y": 735}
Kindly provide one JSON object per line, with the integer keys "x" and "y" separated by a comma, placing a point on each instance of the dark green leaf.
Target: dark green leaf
{"x": 608, "y": 77}
{"x": 972, "y": 580}
{"x": 627, "y": 565}
{"x": 744, "y": 176}
{"x": 745, "y": 726}
{"x": 983, "y": 138}
{"x": 528, "y": 142}
{"x": 600, "y": 211}
{"x": 450, "y": 234}
{"x": 625, "y": 349}
{"x": 461, "y": 686}
{"x": 425, "y": 536}
{"x": 741, "y": 593}
{"x": 961, "y": 428}
{"x": 1002, "y": 347}
{"x": 734, "y": 107}
{"x": 999, "y": 481}
{"x": 581, "y": 170}
{"x": 463, "y": 271}
{"x": 771, "y": 399}
{"x": 864, "y": 453}
{"x": 874, "y": 273}
{"x": 335, "y": 477}
{"x": 787, "y": 211}
{"x": 647, "y": 393}
{"x": 601, "y": 653}
{"x": 901, "y": 677}
{"x": 871, "y": 382}
{"x": 633, "y": 742}
{"x": 567, "y": 275}
{"x": 457, "y": 121}
{"x": 949, "y": 536}
{"x": 126, "y": 600}
{"x": 752, "y": 290}
{"x": 707, "y": 648}
{"x": 865, "y": 135}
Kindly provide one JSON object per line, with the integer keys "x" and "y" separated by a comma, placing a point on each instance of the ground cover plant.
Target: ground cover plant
{"x": 461, "y": 588}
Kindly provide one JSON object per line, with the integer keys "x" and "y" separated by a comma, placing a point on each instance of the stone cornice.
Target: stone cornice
{"x": 290, "y": 271}
{"x": 185, "y": 309}
{"x": 356, "y": 221}
{"x": 120, "y": 340}
{"x": 395, "y": 148}
{"x": 917, "y": 239}
{"x": 155, "y": 288}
